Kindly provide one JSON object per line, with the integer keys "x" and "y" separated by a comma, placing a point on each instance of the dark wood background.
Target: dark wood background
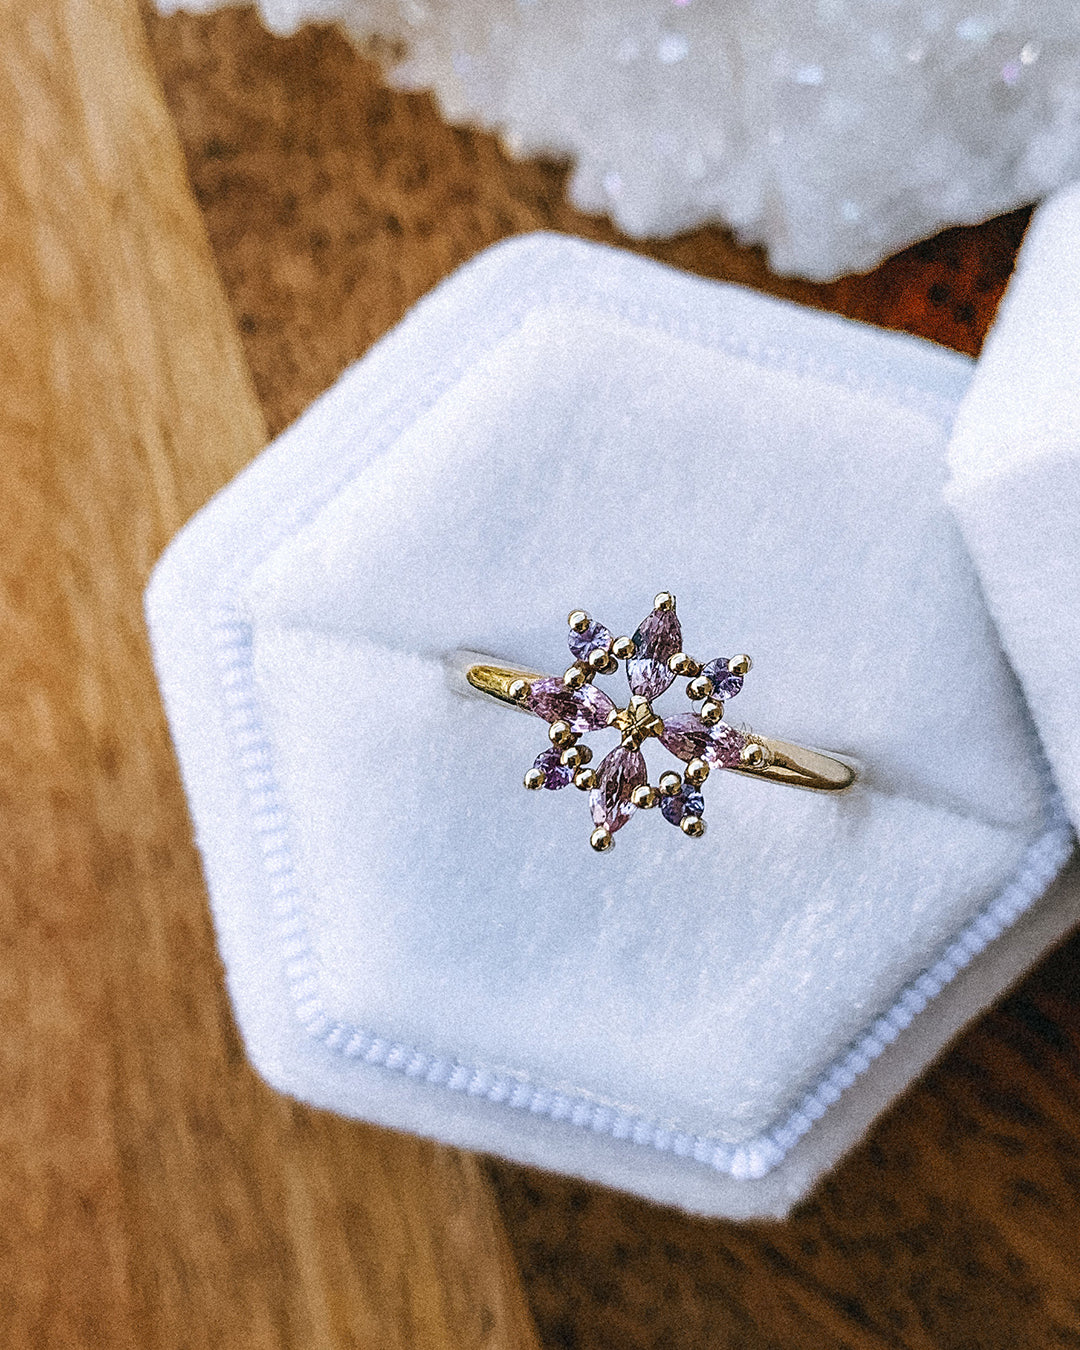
{"x": 153, "y": 1192}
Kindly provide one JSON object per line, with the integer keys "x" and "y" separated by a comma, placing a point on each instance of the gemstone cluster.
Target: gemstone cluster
{"x": 574, "y": 705}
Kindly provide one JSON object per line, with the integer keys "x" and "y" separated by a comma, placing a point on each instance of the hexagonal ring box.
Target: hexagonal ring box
{"x": 413, "y": 939}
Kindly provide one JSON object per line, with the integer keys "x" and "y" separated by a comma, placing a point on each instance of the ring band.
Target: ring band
{"x": 795, "y": 765}
{"x": 573, "y": 704}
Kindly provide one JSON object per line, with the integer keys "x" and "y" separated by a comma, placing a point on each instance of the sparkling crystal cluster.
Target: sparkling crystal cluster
{"x": 832, "y": 132}
{"x": 573, "y": 705}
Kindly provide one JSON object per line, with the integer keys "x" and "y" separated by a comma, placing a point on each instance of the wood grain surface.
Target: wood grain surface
{"x": 153, "y": 1193}
{"x": 332, "y": 204}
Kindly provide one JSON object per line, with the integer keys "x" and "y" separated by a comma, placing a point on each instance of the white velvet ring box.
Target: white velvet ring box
{"x": 413, "y": 939}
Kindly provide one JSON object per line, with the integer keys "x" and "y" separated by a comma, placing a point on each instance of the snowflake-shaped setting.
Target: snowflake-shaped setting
{"x": 574, "y": 705}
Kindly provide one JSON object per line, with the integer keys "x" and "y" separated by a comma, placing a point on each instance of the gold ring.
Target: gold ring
{"x": 572, "y": 704}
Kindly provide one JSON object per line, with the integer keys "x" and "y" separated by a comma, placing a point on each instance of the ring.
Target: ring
{"x": 572, "y": 704}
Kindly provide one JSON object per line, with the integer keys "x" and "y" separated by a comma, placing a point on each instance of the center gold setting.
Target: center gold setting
{"x": 637, "y": 722}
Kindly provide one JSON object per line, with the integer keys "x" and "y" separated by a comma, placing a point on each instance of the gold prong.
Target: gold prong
{"x": 739, "y": 665}
{"x": 585, "y": 779}
{"x": 575, "y": 756}
{"x": 644, "y": 796}
{"x": 699, "y": 687}
{"x": 696, "y": 772}
{"x": 681, "y": 664}
{"x": 519, "y": 690}
{"x": 614, "y": 717}
{"x": 576, "y": 675}
{"x": 664, "y": 600}
{"x": 601, "y": 839}
{"x": 670, "y": 783}
{"x": 561, "y": 734}
{"x": 694, "y": 826}
{"x": 753, "y": 755}
{"x": 610, "y": 665}
{"x": 534, "y": 778}
{"x": 598, "y": 660}
{"x": 578, "y": 620}
{"x": 638, "y": 703}
{"x": 712, "y": 710}
{"x": 623, "y": 648}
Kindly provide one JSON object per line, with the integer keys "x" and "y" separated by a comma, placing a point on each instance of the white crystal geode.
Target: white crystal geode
{"x": 832, "y": 133}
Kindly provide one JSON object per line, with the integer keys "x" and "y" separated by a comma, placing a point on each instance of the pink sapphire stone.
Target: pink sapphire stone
{"x": 726, "y": 684}
{"x": 656, "y": 641}
{"x": 620, "y": 772}
{"x": 585, "y": 709}
{"x": 687, "y": 737}
{"x": 596, "y": 638}
{"x": 688, "y": 801}
{"x": 556, "y": 774}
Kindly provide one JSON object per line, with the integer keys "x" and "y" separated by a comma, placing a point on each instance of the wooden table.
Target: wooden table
{"x": 198, "y": 235}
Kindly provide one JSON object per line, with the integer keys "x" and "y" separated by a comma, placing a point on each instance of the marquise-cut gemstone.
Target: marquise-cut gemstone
{"x": 596, "y": 638}
{"x": 619, "y": 773}
{"x": 656, "y": 641}
{"x": 556, "y": 775}
{"x": 585, "y": 709}
{"x": 688, "y": 801}
{"x": 726, "y": 684}
{"x": 687, "y": 737}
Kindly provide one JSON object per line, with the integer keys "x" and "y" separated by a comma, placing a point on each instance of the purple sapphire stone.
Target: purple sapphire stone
{"x": 726, "y": 684}
{"x": 585, "y": 709}
{"x": 556, "y": 775}
{"x": 656, "y": 641}
{"x": 687, "y": 737}
{"x": 620, "y": 772}
{"x": 688, "y": 801}
{"x": 596, "y": 638}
